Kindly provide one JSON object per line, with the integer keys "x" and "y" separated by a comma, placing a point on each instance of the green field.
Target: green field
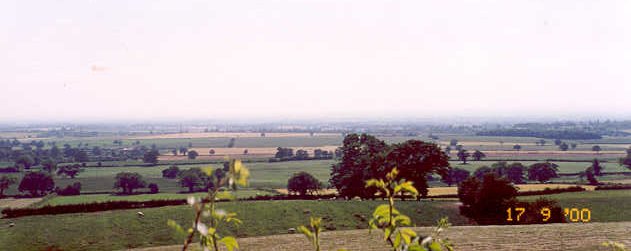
{"x": 122, "y": 229}
{"x": 264, "y": 175}
{"x": 89, "y": 198}
{"x": 606, "y": 206}
{"x": 272, "y": 175}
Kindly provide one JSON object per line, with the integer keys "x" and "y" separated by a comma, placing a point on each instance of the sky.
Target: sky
{"x": 142, "y": 60}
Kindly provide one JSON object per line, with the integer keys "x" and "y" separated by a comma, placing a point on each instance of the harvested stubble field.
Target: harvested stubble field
{"x": 238, "y": 152}
{"x": 561, "y": 237}
{"x": 441, "y": 191}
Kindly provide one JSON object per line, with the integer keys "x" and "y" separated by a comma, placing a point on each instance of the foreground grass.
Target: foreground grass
{"x": 122, "y": 229}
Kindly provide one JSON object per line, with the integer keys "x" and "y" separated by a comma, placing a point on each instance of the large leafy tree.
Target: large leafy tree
{"x": 128, "y": 181}
{"x": 37, "y": 183}
{"x": 486, "y": 200}
{"x": 363, "y": 158}
{"x": 303, "y": 183}
{"x": 415, "y": 160}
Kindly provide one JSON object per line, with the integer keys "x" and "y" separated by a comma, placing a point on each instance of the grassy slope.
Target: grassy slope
{"x": 123, "y": 229}
{"x": 65, "y": 200}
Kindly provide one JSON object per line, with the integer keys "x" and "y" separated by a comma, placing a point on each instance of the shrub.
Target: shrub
{"x": 172, "y": 172}
{"x": 74, "y": 189}
{"x": 303, "y": 183}
{"x": 9, "y": 170}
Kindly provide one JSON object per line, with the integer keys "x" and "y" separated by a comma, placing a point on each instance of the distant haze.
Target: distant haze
{"x": 99, "y": 60}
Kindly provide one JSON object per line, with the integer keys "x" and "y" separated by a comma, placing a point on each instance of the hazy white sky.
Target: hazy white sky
{"x": 137, "y": 59}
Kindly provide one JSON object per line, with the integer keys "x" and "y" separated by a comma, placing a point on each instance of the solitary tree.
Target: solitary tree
{"x": 596, "y": 167}
{"x": 192, "y": 154}
{"x": 596, "y": 148}
{"x": 211, "y": 151}
{"x": 557, "y": 142}
{"x": 194, "y": 179}
{"x": 463, "y": 155}
{"x": 5, "y": 182}
{"x": 563, "y": 146}
{"x": 128, "y": 181}
{"x": 303, "y": 183}
{"x": 543, "y": 171}
{"x": 517, "y": 147}
{"x": 37, "y": 183}
{"x": 477, "y": 155}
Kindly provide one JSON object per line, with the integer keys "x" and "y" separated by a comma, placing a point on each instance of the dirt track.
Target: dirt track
{"x": 570, "y": 236}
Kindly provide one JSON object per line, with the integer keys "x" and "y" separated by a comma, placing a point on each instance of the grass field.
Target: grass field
{"x": 606, "y": 206}
{"x": 89, "y": 198}
{"x": 274, "y": 175}
{"x": 122, "y": 229}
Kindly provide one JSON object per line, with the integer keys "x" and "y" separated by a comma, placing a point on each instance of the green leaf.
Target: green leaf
{"x": 416, "y": 247}
{"x": 435, "y": 246}
{"x": 376, "y": 183}
{"x": 397, "y": 240}
{"x": 208, "y": 170}
{"x": 402, "y": 220}
{"x": 177, "y": 227}
{"x": 386, "y": 233}
{"x": 406, "y": 187}
{"x": 407, "y": 234}
{"x": 381, "y": 210}
{"x": 230, "y": 242}
{"x": 304, "y": 230}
